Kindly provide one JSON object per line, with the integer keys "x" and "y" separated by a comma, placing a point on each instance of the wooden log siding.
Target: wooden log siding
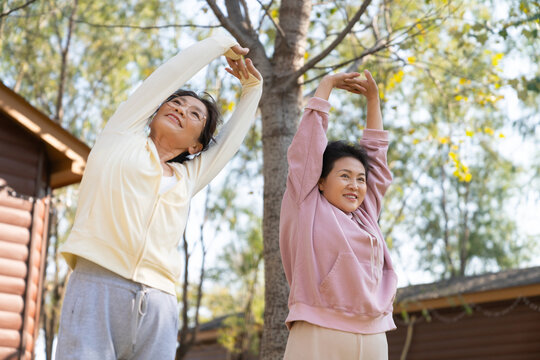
{"x": 19, "y": 159}
{"x": 502, "y": 330}
{"x": 23, "y": 227}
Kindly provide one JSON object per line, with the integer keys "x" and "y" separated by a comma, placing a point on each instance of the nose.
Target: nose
{"x": 179, "y": 109}
{"x": 354, "y": 184}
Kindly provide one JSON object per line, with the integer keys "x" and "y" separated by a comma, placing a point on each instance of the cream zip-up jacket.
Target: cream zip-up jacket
{"x": 122, "y": 222}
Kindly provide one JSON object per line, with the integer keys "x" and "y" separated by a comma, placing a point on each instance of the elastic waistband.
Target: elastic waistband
{"x": 93, "y": 271}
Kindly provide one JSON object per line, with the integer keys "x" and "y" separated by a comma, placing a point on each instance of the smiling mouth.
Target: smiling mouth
{"x": 175, "y": 119}
{"x": 351, "y": 196}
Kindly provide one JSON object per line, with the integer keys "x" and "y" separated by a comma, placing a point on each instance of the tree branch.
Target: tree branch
{"x": 278, "y": 27}
{"x": 16, "y": 8}
{"x": 59, "y": 113}
{"x": 115, "y": 26}
{"x": 367, "y": 52}
{"x": 334, "y": 43}
{"x": 243, "y": 38}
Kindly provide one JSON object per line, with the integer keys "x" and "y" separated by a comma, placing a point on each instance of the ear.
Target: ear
{"x": 320, "y": 184}
{"x": 194, "y": 149}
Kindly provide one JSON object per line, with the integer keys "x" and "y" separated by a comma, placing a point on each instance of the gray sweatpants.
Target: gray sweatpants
{"x": 107, "y": 317}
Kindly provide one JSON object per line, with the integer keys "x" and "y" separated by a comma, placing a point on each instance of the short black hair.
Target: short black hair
{"x": 212, "y": 120}
{"x": 336, "y": 150}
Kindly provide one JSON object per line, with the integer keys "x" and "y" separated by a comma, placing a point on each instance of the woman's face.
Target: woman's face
{"x": 345, "y": 185}
{"x": 179, "y": 123}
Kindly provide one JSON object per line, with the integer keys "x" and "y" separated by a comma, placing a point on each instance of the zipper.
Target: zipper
{"x": 140, "y": 257}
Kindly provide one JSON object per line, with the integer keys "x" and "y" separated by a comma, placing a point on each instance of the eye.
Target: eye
{"x": 197, "y": 115}
{"x": 345, "y": 176}
{"x": 361, "y": 180}
{"x": 177, "y": 102}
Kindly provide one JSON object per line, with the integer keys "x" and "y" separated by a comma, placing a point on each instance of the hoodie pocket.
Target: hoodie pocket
{"x": 350, "y": 287}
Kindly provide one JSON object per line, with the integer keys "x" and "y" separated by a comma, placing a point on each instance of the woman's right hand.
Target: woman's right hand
{"x": 340, "y": 81}
{"x": 234, "y": 58}
{"x": 241, "y": 67}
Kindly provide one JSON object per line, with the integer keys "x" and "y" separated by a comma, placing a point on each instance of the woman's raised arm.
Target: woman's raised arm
{"x": 203, "y": 168}
{"x": 133, "y": 114}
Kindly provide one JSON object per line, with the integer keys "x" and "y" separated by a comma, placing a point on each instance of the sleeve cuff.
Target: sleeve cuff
{"x": 251, "y": 81}
{"x": 374, "y": 134}
{"x": 226, "y": 42}
{"x": 318, "y": 104}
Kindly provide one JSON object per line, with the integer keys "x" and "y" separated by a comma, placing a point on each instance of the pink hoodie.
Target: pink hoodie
{"x": 337, "y": 264}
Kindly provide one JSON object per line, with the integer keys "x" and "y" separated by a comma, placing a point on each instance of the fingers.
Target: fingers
{"x": 354, "y": 88}
{"x": 237, "y": 68}
{"x": 242, "y": 65}
{"x": 240, "y": 50}
{"x": 352, "y": 83}
{"x": 242, "y": 68}
{"x": 252, "y": 69}
{"x": 368, "y": 76}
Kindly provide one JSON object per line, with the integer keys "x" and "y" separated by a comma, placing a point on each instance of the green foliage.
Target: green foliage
{"x": 102, "y": 62}
{"x": 442, "y": 88}
{"x": 239, "y": 295}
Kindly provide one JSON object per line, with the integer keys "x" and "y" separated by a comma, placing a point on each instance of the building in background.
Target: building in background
{"x": 36, "y": 156}
{"x": 485, "y": 317}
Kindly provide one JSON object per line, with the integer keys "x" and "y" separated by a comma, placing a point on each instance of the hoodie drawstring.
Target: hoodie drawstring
{"x": 376, "y": 251}
{"x": 138, "y": 310}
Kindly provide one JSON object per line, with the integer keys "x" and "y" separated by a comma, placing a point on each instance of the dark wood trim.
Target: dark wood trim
{"x": 472, "y": 298}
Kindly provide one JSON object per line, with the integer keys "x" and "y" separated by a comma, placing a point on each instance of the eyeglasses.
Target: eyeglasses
{"x": 192, "y": 112}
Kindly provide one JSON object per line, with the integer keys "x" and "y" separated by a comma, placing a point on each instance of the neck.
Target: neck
{"x": 165, "y": 153}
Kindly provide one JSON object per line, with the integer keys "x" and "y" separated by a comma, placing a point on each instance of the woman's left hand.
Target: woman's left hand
{"x": 367, "y": 87}
{"x": 242, "y": 68}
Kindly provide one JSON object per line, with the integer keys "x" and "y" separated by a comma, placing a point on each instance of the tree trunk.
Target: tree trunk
{"x": 280, "y": 108}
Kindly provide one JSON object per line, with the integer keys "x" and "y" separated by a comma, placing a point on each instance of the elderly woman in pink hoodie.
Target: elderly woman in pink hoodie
{"x": 342, "y": 283}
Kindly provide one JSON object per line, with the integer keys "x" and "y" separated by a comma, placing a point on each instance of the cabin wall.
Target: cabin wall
{"x": 503, "y": 330}
{"x": 23, "y": 162}
{"x": 23, "y": 235}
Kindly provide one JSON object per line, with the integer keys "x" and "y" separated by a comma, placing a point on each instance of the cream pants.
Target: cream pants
{"x": 312, "y": 342}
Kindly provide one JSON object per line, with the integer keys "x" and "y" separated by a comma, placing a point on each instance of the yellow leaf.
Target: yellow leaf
{"x": 496, "y": 58}
{"x": 501, "y": 135}
{"x": 452, "y": 155}
{"x": 381, "y": 94}
{"x": 455, "y": 147}
{"x": 411, "y": 59}
{"x": 469, "y": 133}
{"x": 468, "y": 177}
{"x": 462, "y": 81}
{"x": 488, "y": 130}
{"x": 458, "y": 97}
{"x": 411, "y": 131}
{"x": 415, "y": 141}
{"x": 306, "y": 55}
{"x": 274, "y": 13}
{"x": 230, "y": 106}
{"x": 399, "y": 76}
{"x": 456, "y": 173}
{"x": 444, "y": 140}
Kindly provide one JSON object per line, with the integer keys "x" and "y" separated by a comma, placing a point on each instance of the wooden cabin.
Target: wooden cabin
{"x": 36, "y": 156}
{"x": 491, "y": 316}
